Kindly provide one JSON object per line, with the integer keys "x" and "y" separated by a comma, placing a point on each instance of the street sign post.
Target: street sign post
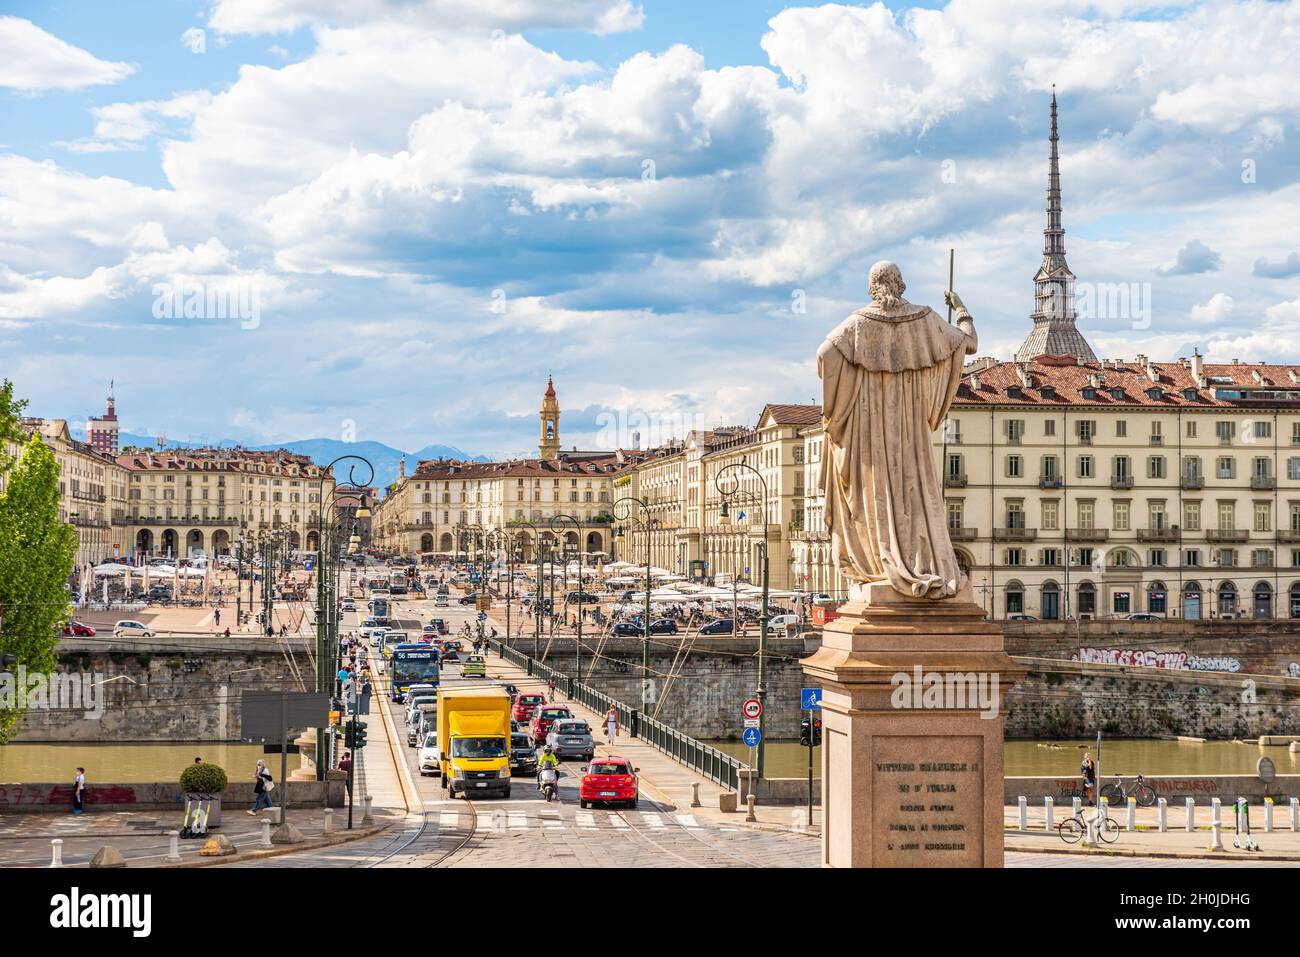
{"x": 752, "y": 736}
{"x": 270, "y": 715}
{"x": 752, "y": 708}
{"x": 810, "y": 699}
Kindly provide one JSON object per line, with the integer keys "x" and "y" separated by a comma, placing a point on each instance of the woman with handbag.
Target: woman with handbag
{"x": 262, "y": 788}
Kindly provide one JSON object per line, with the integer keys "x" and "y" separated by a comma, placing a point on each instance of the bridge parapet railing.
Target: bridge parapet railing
{"x": 718, "y": 766}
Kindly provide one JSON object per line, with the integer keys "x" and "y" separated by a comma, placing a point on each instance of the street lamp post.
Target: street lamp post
{"x": 625, "y": 516}
{"x": 537, "y": 603}
{"x": 577, "y": 641}
{"x": 326, "y": 668}
{"x": 733, "y": 484}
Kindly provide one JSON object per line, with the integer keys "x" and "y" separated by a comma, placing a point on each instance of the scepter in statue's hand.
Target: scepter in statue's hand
{"x": 951, "y": 253}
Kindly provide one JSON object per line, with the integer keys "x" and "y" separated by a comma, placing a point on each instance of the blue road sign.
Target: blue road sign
{"x": 810, "y": 699}
{"x": 751, "y": 737}
{"x": 308, "y": 564}
{"x": 482, "y": 616}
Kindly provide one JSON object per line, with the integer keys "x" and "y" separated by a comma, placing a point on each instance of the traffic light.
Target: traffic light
{"x": 355, "y": 735}
{"x": 810, "y": 728}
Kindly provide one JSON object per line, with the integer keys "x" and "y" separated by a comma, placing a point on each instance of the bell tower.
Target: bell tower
{"x": 549, "y": 443}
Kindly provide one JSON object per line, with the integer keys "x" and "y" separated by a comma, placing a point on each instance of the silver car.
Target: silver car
{"x": 571, "y": 738}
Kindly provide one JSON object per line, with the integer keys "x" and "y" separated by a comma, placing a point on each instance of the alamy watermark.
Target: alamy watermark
{"x": 621, "y": 429}
{"x": 39, "y": 691}
{"x": 226, "y": 299}
{"x": 947, "y": 691}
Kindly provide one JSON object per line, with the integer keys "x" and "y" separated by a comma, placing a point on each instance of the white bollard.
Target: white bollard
{"x": 1191, "y": 814}
{"x": 1074, "y": 806}
{"x": 1049, "y": 806}
{"x": 1268, "y": 815}
{"x": 366, "y": 803}
{"x": 1022, "y": 809}
{"x": 329, "y": 820}
{"x": 1162, "y": 812}
{"x": 173, "y": 846}
{"x": 695, "y": 794}
{"x": 56, "y": 852}
{"x": 266, "y": 832}
{"x": 1130, "y": 815}
{"x": 1295, "y": 814}
{"x": 1216, "y": 840}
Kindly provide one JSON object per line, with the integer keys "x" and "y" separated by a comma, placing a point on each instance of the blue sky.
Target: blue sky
{"x": 435, "y": 203}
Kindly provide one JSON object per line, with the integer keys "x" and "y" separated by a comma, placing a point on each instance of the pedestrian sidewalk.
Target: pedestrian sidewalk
{"x": 141, "y": 836}
{"x": 1148, "y": 841}
{"x": 661, "y": 777}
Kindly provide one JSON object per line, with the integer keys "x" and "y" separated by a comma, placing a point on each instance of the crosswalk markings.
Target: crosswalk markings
{"x": 518, "y": 820}
{"x": 618, "y": 822}
{"x": 652, "y": 820}
{"x": 586, "y": 820}
{"x": 687, "y": 820}
{"x": 449, "y": 819}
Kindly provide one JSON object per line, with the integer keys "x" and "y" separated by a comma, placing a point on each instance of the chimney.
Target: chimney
{"x": 974, "y": 380}
{"x": 1198, "y": 368}
{"x": 1026, "y": 379}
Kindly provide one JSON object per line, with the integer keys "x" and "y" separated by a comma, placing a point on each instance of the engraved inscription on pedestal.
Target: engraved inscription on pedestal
{"x": 927, "y": 801}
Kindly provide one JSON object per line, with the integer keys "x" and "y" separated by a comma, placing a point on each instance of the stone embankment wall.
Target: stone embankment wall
{"x": 156, "y": 696}
{"x": 1068, "y": 699}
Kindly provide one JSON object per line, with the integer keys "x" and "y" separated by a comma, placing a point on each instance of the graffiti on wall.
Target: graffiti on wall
{"x": 1146, "y": 658}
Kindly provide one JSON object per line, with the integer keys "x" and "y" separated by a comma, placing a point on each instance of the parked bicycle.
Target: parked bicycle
{"x": 1073, "y": 828}
{"x": 1118, "y": 795}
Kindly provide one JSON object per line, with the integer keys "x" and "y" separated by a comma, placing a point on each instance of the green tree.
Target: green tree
{"x": 37, "y": 550}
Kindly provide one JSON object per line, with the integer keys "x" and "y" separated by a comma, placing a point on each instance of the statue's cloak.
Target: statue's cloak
{"x": 888, "y": 377}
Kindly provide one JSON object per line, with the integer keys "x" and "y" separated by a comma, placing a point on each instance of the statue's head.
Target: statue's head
{"x": 885, "y": 284}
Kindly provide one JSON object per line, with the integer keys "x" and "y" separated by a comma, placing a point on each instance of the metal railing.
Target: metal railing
{"x": 713, "y": 764}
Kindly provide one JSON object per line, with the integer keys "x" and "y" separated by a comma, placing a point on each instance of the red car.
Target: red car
{"x": 77, "y": 630}
{"x": 544, "y": 718}
{"x": 526, "y": 705}
{"x": 608, "y": 781}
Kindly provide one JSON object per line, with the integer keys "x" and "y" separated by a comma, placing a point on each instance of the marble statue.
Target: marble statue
{"x": 889, "y": 373}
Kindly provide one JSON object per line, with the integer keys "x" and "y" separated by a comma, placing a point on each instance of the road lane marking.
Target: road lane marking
{"x": 449, "y": 819}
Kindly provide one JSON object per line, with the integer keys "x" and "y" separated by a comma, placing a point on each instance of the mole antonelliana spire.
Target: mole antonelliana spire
{"x": 1054, "y": 331}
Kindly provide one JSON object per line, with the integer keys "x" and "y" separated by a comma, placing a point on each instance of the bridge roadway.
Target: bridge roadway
{"x": 524, "y": 830}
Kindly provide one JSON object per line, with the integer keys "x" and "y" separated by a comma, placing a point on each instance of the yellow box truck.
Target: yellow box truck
{"x": 474, "y": 739}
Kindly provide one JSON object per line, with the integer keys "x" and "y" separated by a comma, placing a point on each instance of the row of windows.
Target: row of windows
{"x": 1086, "y": 430}
{"x": 1121, "y": 467}
{"x": 1156, "y": 558}
{"x": 1122, "y": 515}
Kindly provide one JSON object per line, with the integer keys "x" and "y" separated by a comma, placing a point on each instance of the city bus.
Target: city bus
{"x": 412, "y": 665}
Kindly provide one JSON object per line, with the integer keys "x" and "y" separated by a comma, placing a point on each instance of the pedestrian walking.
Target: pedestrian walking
{"x": 262, "y": 786}
{"x": 79, "y": 791}
{"x": 611, "y": 725}
{"x": 345, "y": 765}
{"x": 1088, "y": 768}
{"x": 216, "y": 616}
{"x": 366, "y": 690}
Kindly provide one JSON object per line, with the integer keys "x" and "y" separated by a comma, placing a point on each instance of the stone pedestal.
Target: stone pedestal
{"x": 913, "y": 707}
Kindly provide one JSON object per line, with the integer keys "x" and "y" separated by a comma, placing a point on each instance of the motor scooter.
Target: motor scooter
{"x": 547, "y": 782}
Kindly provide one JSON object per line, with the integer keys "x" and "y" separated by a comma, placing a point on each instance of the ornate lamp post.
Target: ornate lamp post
{"x": 625, "y": 515}
{"x": 537, "y": 604}
{"x": 327, "y": 645}
{"x": 557, "y": 526}
{"x": 732, "y": 484}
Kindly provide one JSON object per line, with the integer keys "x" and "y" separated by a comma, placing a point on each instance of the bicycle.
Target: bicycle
{"x": 1118, "y": 795}
{"x": 1073, "y": 828}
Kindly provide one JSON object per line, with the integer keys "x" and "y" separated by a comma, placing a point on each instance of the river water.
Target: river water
{"x": 789, "y": 759}
{"x": 128, "y": 763}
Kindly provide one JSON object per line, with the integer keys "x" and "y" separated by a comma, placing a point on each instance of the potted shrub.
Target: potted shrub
{"x": 203, "y": 783}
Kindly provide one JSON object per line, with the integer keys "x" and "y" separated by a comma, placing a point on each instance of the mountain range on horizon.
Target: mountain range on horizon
{"x": 383, "y": 457}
